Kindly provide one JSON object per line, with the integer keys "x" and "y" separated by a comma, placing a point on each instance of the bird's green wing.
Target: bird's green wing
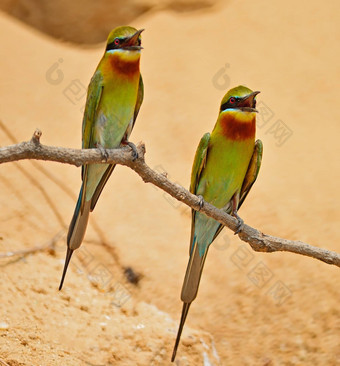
{"x": 140, "y": 97}
{"x": 249, "y": 179}
{"x": 252, "y": 172}
{"x": 94, "y": 93}
{"x": 199, "y": 163}
{"x": 109, "y": 170}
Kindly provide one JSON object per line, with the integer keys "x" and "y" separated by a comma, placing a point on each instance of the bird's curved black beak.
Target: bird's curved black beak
{"x": 248, "y": 103}
{"x": 133, "y": 42}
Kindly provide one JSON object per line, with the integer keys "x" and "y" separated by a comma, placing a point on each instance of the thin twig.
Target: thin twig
{"x": 32, "y": 178}
{"x": 257, "y": 240}
{"x": 60, "y": 183}
{"x": 3, "y": 363}
{"x": 23, "y": 252}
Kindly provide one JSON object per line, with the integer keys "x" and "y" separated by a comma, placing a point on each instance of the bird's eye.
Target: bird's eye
{"x": 232, "y": 100}
{"x": 117, "y": 41}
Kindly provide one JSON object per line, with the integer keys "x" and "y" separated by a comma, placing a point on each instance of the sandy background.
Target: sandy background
{"x": 252, "y": 308}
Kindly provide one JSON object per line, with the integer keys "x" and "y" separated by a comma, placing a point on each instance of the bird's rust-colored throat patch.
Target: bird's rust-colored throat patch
{"x": 238, "y": 126}
{"x": 127, "y": 66}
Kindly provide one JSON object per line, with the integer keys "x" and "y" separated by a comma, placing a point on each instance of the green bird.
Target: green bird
{"x": 114, "y": 97}
{"x": 226, "y": 165}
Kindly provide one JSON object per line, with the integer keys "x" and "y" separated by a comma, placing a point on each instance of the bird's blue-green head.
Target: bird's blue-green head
{"x": 241, "y": 99}
{"x": 124, "y": 38}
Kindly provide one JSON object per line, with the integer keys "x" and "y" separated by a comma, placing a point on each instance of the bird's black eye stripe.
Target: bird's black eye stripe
{"x": 228, "y": 105}
{"x": 111, "y": 46}
{"x": 119, "y": 43}
{"x": 114, "y": 44}
{"x": 224, "y": 106}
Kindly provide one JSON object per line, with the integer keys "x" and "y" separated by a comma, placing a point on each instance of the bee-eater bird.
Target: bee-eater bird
{"x": 225, "y": 167}
{"x": 114, "y": 97}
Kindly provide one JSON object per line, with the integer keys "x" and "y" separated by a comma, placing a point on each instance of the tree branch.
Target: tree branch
{"x": 256, "y": 239}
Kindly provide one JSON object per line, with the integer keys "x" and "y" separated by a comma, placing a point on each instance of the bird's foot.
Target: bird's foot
{"x": 134, "y": 150}
{"x": 240, "y": 224}
{"x": 103, "y": 151}
{"x": 201, "y": 202}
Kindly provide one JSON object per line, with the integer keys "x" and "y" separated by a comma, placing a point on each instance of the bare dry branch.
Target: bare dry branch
{"x": 256, "y": 239}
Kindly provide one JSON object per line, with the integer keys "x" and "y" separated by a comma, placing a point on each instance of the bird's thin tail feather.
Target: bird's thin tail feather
{"x": 185, "y": 310}
{"x": 101, "y": 185}
{"x": 190, "y": 287}
{"x": 76, "y": 230}
{"x": 193, "y": 274}
{"x": 67, "y": 261}
{"x": 78, "y": 223}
